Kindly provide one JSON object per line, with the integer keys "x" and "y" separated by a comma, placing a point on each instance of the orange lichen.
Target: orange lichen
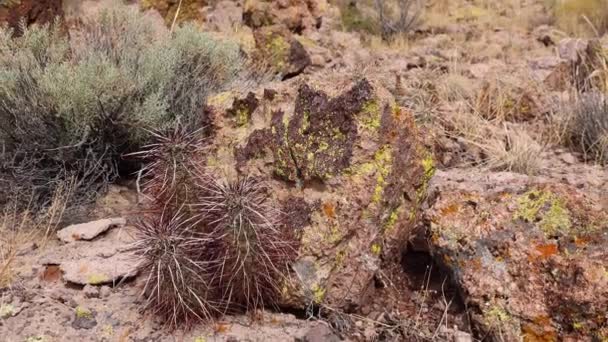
{"x": 222, "y": 328}
{"x": 540, "y": 330}
{"x": 547, "y": 250}
{"x": 450, "y": 209}
{"x": 329, "y": 209}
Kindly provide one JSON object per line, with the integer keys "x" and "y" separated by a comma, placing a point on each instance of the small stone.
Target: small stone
{"x": 89, "y": 230}
{"x": 105, "y": 291}
{"x": 568, "y": 158}
{"x": 461, "y": 336}
{"x": 84, "y": 318}
{"x": 90, "y": 291}
{"x": 320, "y": 333}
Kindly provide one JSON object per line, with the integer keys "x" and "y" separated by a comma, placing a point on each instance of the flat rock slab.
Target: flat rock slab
{"x": 99, "y": 270}
{"x": 89, "y": 230}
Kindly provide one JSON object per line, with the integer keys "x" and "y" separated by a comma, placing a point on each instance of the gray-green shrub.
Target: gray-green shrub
{"x": 72, "y": 106}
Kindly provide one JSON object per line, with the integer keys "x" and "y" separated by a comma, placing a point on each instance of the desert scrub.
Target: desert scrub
{"x": 581, "y": 17}
{"x": 71, "y": 106}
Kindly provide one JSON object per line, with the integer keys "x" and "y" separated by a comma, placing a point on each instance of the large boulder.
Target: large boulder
{"x": 349, "y": 172}
{"x": 528, "y": 255}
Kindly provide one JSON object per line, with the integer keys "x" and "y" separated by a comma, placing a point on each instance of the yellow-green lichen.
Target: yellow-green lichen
{"x": 82, "y": 312}
{"x": 242, "y": 117}
{"x": 278, "y": 48}
{"x": 383, "y": 160}
{"x": 96, "y": 279}
{"x": 318, "y": 293}
{"x": 547, "y": 209}
{"x": 370, "y": 116}
{"x": 6, "y": 310}
{"x": 376, "y": 249}
{"x": 391, "y": 221}
{"x": 498, "y": 315}
{"x": 340, "y": 257}
{"x": 200, "y": 339}
{"x": 39, "y": 338}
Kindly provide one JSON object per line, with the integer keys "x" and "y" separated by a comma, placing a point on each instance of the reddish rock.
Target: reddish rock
{"x": 31, "y": 11}
{"x": 296, "y": 15}
{"x": 529, "y": 257}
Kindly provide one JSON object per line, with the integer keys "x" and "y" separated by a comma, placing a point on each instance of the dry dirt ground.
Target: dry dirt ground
{"x": 462, "y": 48}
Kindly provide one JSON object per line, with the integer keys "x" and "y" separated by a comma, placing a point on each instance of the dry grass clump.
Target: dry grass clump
{"x": 503, "y": 147}
{"x": 583, "y": 125}
{"x": 71, "y": 106}
{"x": 208, "y": 245}
{"x": 507, "y": 101}
{"x": 581, "y": 17}
{"x": 21, "y": 227}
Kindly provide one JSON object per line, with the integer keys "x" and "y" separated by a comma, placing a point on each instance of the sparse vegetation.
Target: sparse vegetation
{"x": 387, "y": 18}
{"x": 398, "y": 16}
{"x": 581, "y": 17}
{"x": 87, "y": 99}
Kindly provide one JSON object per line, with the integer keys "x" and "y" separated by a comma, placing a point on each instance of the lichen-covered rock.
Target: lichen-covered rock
{"x": 296, "y": 15}
{"x": 30, "y": 11}
{"x": 530, "y": 258}
{"x": 351, "y": 173}
{"x": 242, "y": 109}
{"x": 281, "y": 51}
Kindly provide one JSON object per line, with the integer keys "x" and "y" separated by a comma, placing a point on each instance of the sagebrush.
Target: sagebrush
{"x": 71, "y": 107}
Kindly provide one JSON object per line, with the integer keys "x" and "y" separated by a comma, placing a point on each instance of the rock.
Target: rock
{"x": 283, "y": 53}
{"x": 98, "y": 271}
{"x": 105, "y": 291}
{"x": 296, "y": 15}
{"x": 189, "y": 10}
{"x": 568, "y": 158}
{"x": 351, "y": 173}
{"x": 90, "y": 291}
{"x": 461, "y": 336}
{"x": 547, "y": 35}
{"x": 89, "y": 230}
{"x": 242, "y": 109}
{"x": 84, "y": 318}
{"x": 225, "y": 17}
{"x": 320, "y": 333}
{"x": 32, "y": 11}
{"x": 529, "y": 255}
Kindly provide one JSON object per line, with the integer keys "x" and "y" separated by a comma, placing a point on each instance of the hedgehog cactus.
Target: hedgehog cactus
{"x": 173, "y": 165}
{"x": 254, "y": 250}
{"x": 208, "y": 246}
{"x": 177, "y": 277}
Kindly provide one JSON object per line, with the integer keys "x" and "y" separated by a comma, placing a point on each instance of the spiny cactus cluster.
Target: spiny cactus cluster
{"x": 209, "y": 246}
